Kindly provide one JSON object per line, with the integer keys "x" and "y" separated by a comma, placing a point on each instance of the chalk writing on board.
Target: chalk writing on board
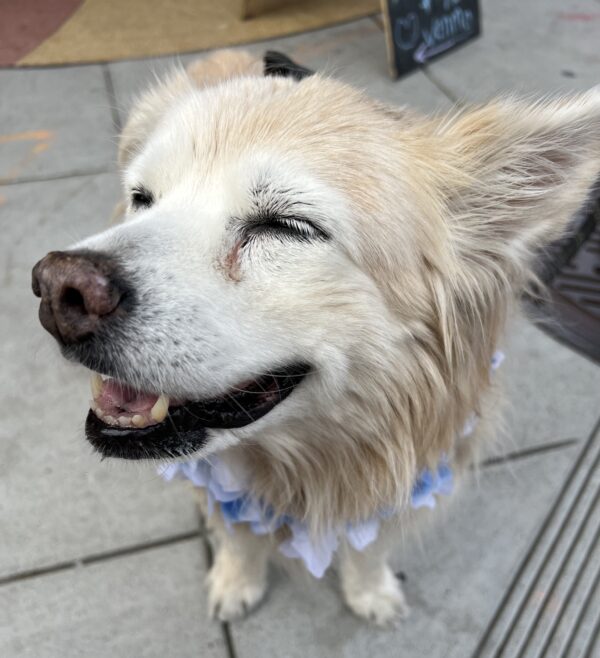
{"x": 418, "y": 30}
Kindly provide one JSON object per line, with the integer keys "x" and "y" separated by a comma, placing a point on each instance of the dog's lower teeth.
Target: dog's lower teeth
{"x": 138, "y": 421}
{"x": 156, "y": 414}
{"x": 160, "y": 409}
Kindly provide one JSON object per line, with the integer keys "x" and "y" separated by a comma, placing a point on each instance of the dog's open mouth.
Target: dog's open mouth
{"x": 131, "y": 424}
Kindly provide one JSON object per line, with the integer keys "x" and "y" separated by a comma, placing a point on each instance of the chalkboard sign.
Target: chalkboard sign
{"x": 419, "y": 30}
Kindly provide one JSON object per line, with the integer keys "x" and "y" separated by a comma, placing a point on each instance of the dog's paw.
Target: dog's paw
{"x": 381, "y": 603}
{"x": 233, "y": 591}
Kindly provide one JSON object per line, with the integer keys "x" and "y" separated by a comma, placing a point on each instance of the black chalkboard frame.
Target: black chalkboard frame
{"x": 419, "y": 31}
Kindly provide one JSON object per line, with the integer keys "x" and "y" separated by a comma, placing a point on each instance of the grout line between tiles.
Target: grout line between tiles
{"x": 35, "y": 573}
{"x": 209, "y": 557}
{"x": 112, "y": 98}
{"x": 53, "y": 177}
{"x": 228, "y": 639}
{"x": 99, "y": 557}
{"x": 451, "y": 96}
{"x": 140, "y": 548}
{"x": 528, "y": 452}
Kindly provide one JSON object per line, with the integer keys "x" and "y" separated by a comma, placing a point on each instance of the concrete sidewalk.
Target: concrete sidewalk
{"x": 106, "y": 560}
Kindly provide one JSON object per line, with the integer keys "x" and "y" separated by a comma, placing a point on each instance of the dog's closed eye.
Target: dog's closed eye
{"x": 285, "y": 226}
{"x": 141, "y": 198}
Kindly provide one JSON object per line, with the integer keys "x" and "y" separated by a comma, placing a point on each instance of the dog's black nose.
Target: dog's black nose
{"x": 79, "y": 291}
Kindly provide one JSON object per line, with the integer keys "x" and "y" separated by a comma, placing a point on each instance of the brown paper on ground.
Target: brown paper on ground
{"x": 102, "y": 30}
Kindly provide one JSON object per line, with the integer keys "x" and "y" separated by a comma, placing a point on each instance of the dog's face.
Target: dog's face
{"x": 237, "y": 271}
{"x": 292, "y": 257}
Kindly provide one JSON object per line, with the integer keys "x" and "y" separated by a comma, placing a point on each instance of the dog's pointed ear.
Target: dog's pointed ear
{"x": 278, "y": 64}
{"x": 519, "y": 172}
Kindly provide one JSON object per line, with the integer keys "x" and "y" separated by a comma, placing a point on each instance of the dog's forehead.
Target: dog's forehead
{"x": 211, "y": 126}
{"x": 259, "y": 137}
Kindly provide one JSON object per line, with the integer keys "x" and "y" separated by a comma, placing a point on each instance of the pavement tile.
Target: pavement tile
{"x": 146, "y": 605}
{"x": 57, "y": 501}
{"x": 526, "y": 47}
{"x": 552, "y": 392}
{"x": 54, "y": 122}
{"x": 353, "y": 52}
{"x": 455, "y": 576}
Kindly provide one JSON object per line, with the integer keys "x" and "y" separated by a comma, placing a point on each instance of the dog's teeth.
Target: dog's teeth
{"x": 160, "y": 408}
{"x": 124, "y": 421}
{"x": 110, "y": 420}
{"x": 138, "y": 421}
{"x": 96, "y": 384}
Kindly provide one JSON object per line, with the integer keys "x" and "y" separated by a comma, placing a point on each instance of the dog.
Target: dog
{"x": 304, "y": 295}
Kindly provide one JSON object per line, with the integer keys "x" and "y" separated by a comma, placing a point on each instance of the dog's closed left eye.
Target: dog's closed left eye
{"x": 282, "y": 226}
{"x": 141, "y": 198}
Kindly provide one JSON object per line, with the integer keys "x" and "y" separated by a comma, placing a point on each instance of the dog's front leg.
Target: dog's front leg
{"x": 237, "y": 580}
{"x": 370, "y": 588}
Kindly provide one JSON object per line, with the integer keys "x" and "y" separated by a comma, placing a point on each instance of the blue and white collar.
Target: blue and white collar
{"x": 230, "y": 490}
{"x": 237, "y": 506}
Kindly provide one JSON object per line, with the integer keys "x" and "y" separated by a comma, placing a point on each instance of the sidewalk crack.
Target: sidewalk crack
{"x": 99, "y": 557}
{"x": 528, "y": 452}
{"x": 450, "y": 95}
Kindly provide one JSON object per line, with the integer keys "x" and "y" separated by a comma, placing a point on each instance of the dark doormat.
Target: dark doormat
{"x": 570, "y": 308}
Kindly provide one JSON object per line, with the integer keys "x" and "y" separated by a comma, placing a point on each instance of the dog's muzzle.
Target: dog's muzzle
{"x": 85, "y": 302}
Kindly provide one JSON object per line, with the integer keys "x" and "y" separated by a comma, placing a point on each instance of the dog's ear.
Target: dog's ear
{"x": 223, "y": 65}
{"x": 150, "y": 106}
{"x": 278, "y": 64}
{"x": 519, "y": 171}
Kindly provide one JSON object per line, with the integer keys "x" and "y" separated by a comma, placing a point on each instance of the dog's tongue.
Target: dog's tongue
{"x": 116, "y": 395}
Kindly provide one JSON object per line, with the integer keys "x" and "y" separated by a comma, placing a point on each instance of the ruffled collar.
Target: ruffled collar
{"x": 230, "y": 488}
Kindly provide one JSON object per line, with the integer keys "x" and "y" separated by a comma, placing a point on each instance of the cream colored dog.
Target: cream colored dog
{"x": 311, "y": 285}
